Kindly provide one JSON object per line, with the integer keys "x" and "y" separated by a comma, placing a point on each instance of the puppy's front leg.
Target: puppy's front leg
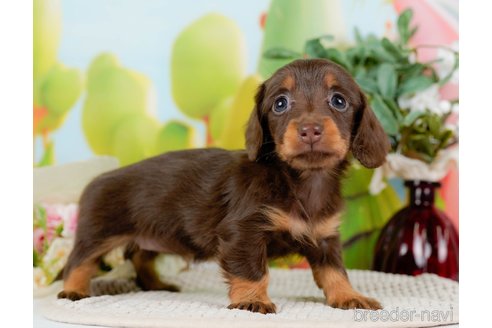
{"x": 244, "y": 262}
{"x": 330, "y": 275}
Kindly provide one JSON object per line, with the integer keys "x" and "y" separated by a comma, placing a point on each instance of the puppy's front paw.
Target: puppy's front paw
{"x": 254, "y": 307}
{"x": 72, "y": 295}
{"x": 354, "y": 301}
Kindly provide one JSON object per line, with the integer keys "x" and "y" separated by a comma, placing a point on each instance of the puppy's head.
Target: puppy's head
{"x": 310, "y": 114}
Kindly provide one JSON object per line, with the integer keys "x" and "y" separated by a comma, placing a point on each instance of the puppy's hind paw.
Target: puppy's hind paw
{"x": 72, "y": 295}
{"x": 252, "y": 306}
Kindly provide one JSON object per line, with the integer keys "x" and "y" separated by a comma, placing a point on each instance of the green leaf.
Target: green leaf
{"x": 387, "y": 80}
{"x": 444, "y": 138}
{"x": 358, "y": 37}
{"x": 414, "y": 84}
{"x": 391, "y": 103}
{"x": 40, "y": 219}
{"x": 412, "y": 32}
{"x": 368, "y": 85}
{"x": 59, "y": 229}
{"x": 392, "y": 48}
{"x": 338, "y": 57}
{"x": 314, "y": 49}
{"x": 35, "y": 259}
{"x": 384, "y": 115}
{"x": 360, "y": 72}
{"x": 434, "y": 124}
{"x": 411, "y": 117}
{"x": 422, "y": 143}
{"x": 281, "y": 53}
{"x": 381, "y": 55}
{"x": 411, "y": 70}
{"x": 403, "y": 25}
{"x": 356, "y": 56}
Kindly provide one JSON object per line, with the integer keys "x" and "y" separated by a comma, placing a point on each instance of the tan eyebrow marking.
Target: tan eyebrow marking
{"x": 330, "y": 80}
{"x": 289, "y": 83}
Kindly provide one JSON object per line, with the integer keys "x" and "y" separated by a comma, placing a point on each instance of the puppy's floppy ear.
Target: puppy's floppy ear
{"x": 254, "y": 130}
{"x": 370, "y": 144}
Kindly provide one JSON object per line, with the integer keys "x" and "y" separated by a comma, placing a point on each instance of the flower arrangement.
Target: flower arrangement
{"x": 53, "y": 230}
{"x": 402, "y": 91}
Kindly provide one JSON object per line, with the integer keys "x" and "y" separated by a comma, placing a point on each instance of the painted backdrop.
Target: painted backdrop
{"x": 133, "y": 79}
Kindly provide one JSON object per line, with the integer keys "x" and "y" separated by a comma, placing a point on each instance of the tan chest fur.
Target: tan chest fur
{"x": 299, "y": 228}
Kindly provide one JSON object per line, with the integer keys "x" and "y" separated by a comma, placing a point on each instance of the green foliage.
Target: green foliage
{"x": 423, "y": 135}
{"x": 386, "y": 71}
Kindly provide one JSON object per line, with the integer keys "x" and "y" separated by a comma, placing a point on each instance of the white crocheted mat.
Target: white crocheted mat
{"x": 423, "y": 301}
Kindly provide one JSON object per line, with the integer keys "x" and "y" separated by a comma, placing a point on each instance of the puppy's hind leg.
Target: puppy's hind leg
{"x": 82, "y": 265}
{"x": 147, "y": 277}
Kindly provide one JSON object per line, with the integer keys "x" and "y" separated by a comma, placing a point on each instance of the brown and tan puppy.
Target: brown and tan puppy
{"x": 279, "y": 196}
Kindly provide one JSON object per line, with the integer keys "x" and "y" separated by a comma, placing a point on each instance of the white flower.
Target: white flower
{"x": 40, "y": 279}
{"x": 398, "y": 165}
{"x": 444, "y": 106}
{"x": 57, "y": 255}
{"x": 428, "y": 99}
{"x": 69, "y": 214}
{"x": 446, "y": 63}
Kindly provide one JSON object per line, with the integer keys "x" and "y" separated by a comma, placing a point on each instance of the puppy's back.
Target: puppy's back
{"x": 167, "y": 195}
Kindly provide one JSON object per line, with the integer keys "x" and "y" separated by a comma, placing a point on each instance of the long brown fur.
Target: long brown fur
{"x": 279, "y": 196}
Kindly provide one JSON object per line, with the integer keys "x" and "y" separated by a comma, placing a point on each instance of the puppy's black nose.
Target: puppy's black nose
{"x": 310, "y": 133}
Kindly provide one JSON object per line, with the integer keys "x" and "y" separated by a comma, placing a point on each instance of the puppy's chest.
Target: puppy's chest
{"x": 301, "y": 229}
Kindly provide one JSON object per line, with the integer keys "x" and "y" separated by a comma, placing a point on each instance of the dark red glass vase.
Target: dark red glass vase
{"x": 419, "y": 238}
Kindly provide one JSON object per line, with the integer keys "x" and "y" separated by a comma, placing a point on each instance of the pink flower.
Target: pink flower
{"x": 53, "y": 220}
{"x": 38, "y": 239}
{"x": 61, "y": 220}
{"x": 70, "y": 215}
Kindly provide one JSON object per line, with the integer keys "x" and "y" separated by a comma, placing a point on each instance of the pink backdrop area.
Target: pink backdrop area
{"x": 438, "y": 25}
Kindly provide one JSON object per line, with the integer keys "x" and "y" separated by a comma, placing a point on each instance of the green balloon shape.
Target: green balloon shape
{"x": 238, "y": 114}
{"x": 218, "y": 118}
{"x": 61, "y": 89}
{"x": 290, "y": 23}
{"x": 113, "y": 93}
{"x": 46, "y": 35}
{"x": 175, "y": 135}
{"x": 207, "y": 65}
{"x": 133, "y": 138}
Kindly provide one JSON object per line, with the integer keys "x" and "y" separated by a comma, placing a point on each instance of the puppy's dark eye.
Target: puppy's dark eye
{"x": 338, "y": 102}
{"x": 281, "y": 105}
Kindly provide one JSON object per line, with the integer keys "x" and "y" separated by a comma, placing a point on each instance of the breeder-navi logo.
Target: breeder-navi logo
{"x": 404, "y": 315}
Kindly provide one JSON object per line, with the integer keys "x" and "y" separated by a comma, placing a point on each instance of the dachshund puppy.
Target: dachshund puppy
{"x": 280, "y": 196}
